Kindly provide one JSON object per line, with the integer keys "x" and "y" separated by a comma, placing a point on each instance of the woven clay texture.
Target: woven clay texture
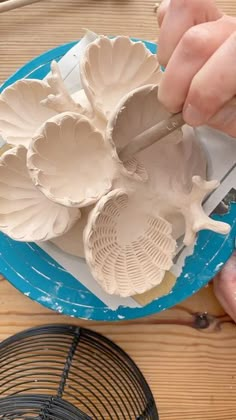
{"x": 127, "y": 249}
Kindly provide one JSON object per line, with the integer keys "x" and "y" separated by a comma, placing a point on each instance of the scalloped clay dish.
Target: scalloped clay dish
{"x": 63, "y": 179}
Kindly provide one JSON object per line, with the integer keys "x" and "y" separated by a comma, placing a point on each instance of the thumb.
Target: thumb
{"x": 225, "y": 287}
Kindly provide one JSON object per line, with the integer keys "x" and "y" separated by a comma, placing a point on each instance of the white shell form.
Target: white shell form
{"x": 137, "y": 112}
{"x": 127, "y": 249}
{"x": 70, "y": 162}
{"x": 25, "y": 213}
{"x": 110, "y": 68}
{"x": 72, "y": 241}
{"x": 21, "y": 111}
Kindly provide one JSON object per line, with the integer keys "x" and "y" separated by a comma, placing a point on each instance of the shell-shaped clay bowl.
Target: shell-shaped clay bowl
{"x": 110, "y": 68}
{"x": 137, "y": 112}
{"x": 69, "y": 161}
{"x": 21, "y": 112}
{"x": 72, "y": 241}
{"x": 127, "y": 249}
{"x": 25, "y": 213}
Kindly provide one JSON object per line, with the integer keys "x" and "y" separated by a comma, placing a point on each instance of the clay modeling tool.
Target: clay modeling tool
{"x": 151, "y": 136}
{"x": 14, "y": 4}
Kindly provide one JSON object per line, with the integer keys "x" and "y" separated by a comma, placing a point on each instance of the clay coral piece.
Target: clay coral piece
{"x": 128, "y": 248}
{"x": 25, "y": 213}
{"x": 195, "y": 217}
{"x": 110, "y": 68}
{"x": 21, "y": 111}
{"x": 69, "y": 162}
{"x": 59, "y": 99}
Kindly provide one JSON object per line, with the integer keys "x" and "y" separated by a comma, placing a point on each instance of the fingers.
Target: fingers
{"x": 178, "y": 18}
{"x": 213, "y": 86}
{"x": 161, "y": 11}
{"x": 195, "y": 48}
{"x": 225, "y": 287}
{"x": 225, "y": 119}
{"x": 199, "y": 77}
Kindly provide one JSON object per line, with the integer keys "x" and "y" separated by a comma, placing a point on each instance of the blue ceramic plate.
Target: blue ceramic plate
{"x": 37, "y": 275}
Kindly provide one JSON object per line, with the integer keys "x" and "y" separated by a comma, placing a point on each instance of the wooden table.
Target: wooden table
{"x": 192, "y": 372}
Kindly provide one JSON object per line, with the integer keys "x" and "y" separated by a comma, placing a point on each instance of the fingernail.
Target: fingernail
{"x": 193, "y": 116}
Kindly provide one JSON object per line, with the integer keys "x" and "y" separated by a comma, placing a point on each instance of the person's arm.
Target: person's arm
{"x": 225, "y": 287}
{"x": 197, "y": 46}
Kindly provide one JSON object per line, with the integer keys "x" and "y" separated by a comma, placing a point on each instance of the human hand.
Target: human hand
{"x": 197, "y": 45}
{"x": 225, "y": 287}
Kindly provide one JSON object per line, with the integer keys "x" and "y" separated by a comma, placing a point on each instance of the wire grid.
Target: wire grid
{"x": 63, "y": 372}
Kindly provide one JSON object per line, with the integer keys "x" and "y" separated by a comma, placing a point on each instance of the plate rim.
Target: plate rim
{"x": 223, "y": 247}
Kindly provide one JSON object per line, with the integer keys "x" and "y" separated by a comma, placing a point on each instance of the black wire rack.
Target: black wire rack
{"x": 63, "y": 372}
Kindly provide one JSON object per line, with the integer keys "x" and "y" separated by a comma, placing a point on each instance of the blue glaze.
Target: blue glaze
{"x": 35, "y": 273}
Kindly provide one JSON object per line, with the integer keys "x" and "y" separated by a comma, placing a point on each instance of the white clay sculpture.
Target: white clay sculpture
{"x": 176, "y": 165}
{"x": 127, "y": 259}
{"x": 25, "y": 213}
{"x": 21, "y": 111}
{"x": 53, "y": 161}
{"x": 110, "y": 68}
{"x": 71, "y": 154}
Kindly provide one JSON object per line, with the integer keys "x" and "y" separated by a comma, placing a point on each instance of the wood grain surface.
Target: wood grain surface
{"x": 188, "y": 354}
